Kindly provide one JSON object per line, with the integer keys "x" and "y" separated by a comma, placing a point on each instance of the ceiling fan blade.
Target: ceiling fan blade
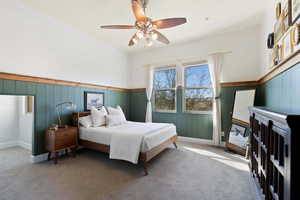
{"x": 119, "y": 27}
{"x": 131, "y": 43}
{"x": 138, "y": 12}
{"x": 169, "y": 23}
{"x": 161, "y": 37}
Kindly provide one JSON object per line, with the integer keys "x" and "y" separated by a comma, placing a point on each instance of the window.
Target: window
{"x": 165, "y": 90}
{"x": 198, "y": 93}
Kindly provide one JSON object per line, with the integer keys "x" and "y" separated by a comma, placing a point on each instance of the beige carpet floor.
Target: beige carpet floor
{"x": 193, "y": 172}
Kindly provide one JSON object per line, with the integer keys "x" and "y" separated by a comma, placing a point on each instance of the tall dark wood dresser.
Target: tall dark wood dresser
{"x": 275, "y": 146}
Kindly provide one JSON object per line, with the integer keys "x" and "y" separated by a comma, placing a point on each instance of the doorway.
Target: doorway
{"x": 16, "y": 130}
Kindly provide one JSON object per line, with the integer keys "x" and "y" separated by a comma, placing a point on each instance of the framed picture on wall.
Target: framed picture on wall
{"x": 278, "y": 29}
{"x": 287, "y": 46}
{"x": 295, "y": 36}
{"x": 93, "y": 99}
{"x": 237, "y": 136}
{"x": 295, "y": 8}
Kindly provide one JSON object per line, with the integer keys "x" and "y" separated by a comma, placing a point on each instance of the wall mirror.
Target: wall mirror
{"x": 238, "y": 136}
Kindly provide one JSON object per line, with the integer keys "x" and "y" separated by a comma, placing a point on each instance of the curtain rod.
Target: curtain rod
{"x": 186, "y": 59}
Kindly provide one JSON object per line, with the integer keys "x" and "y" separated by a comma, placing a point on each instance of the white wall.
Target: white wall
{"x": 35, "y": 44}
{"x": 265, "y": 30}
{"x": 9, "y": 121}
{"x": 26, "y": 124}
{"x": 241, "y": 65}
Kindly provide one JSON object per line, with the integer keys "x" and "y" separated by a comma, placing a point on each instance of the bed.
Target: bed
{"x": 157, "y": 139}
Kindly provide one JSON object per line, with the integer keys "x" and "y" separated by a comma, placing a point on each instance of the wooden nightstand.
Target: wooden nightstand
{"x": 62, "y": 139}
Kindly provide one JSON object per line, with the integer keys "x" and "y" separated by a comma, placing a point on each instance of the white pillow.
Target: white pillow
{"x": 98, "y": 116}
{"x": 86, "y": 121}
{"x": 117, "y": 111}
{"x": 114, "y": 120}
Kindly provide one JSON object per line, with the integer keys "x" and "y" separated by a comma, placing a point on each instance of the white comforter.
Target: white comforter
{"x": 126, "y": 145}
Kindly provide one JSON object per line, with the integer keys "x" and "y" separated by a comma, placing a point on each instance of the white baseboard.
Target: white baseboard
{"x": 195, "y": 140}
{"x": 43, "y": 157}
{"x": 199, "y": 141}
{"x": 25, "y": 145}
{"x": 39, "y": 158}
{"x": 4, "y": 145}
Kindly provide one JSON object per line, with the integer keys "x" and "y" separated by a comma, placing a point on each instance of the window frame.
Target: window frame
{"x": 184, "y": 88}
{"x": 164, "y": 89}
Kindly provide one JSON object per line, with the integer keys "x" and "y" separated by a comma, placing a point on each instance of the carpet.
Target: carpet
{"x": 192, "y": 172}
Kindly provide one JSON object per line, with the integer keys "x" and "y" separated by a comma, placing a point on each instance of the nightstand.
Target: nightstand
{"x": 62, "y": 139}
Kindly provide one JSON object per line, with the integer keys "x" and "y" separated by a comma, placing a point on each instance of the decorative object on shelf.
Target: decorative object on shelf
{"x": 276, "y": 54}
{"x": 60, "y": 107}
{"x": 270, "y": 42}
{"x": 286, "y": 23}
{"x": 278, "y": 10}
{"x": 286, "y": 12}
{"x": 93, "y": 99}
{"x": 147, "y": 29}
{"x": 53, "y": 127}
{"x": 237, "y": 136}
{"x": 287, "y": 48}
{"x": 295, "y": 35}
{"x": 278, "y": 29}
{"x": 295, "y": 4}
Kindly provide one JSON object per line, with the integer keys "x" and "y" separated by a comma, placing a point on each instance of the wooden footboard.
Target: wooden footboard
{"x": 144, "y": 157}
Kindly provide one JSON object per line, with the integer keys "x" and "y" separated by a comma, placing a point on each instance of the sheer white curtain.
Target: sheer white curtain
{"x": 149, "y": 90}
{"x": 215, "y": 62}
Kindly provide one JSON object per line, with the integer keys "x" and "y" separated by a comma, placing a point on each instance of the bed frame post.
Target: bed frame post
{"x": 144, "y": 163}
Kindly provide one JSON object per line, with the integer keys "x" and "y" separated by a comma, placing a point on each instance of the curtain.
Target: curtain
{"x": 149, "y": 90}
{"x": 215, "y": 62}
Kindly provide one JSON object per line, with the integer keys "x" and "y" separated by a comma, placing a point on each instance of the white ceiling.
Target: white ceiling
{"x": 89, "y": 15}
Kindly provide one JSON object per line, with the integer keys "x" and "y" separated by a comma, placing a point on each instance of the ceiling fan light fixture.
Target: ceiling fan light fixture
{"x": 154, "y": 36}
{"x": 140, "y": 34}
{"x": 149, "y": 42}
{"x": 135, "y": 40}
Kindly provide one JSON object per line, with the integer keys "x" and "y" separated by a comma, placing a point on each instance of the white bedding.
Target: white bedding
{"x": 147, "y": 136}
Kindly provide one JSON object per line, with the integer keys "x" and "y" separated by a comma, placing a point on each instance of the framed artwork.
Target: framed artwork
{"x": 295, "y": 35}
{"x": 287, "y": 46}
{"x": 93, "y": 99}
{"x": 278, "y": 10}
{"x": 238, "y": 136}
{"x": 295, "y": 7}
{"x": 278, "y": 29}
{"x": 286, "y": 23}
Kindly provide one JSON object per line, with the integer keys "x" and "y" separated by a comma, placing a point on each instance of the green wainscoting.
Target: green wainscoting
{"x": 188, "y": 125}
{"x": 282, "y": 92}
{"x": 48, "y": 95}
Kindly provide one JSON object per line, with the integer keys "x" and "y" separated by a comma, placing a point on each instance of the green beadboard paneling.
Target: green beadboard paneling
{"x": 187, "y": 124}
{"x": 282, "y": 92}
{"x": 48, "y": 95}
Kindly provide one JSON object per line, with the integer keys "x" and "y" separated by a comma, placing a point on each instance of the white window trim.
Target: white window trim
{"x": 157, "y": 69}
{"x": 201, "y": 87}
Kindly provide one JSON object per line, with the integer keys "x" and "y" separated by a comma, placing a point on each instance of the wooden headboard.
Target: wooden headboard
{"x": 76, "y": 115}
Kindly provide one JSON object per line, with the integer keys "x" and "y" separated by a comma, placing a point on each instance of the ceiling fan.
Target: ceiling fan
{"x": 147, "y": 29}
